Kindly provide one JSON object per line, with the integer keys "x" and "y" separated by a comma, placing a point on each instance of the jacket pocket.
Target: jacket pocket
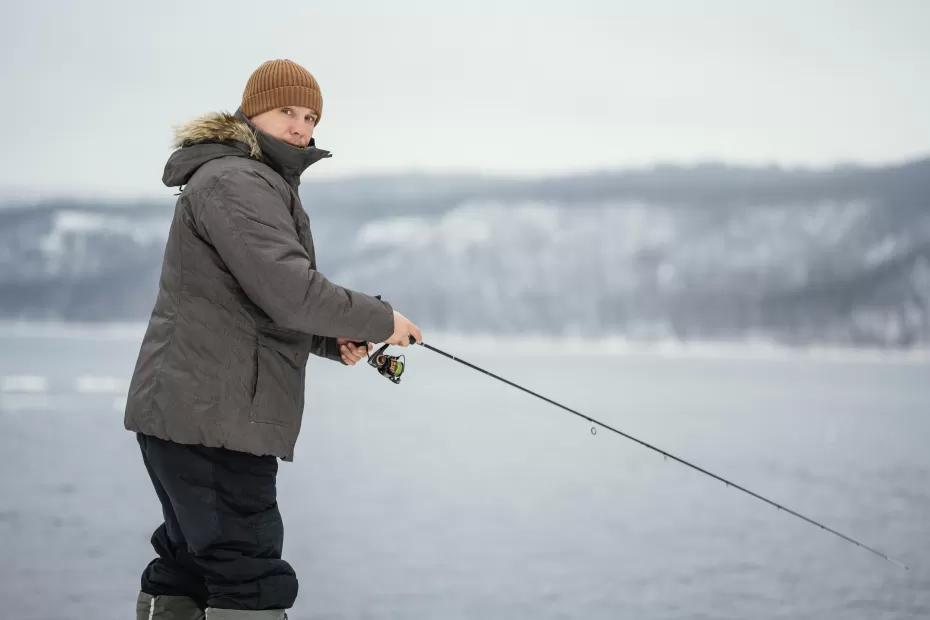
{"x": 278, "y": 387}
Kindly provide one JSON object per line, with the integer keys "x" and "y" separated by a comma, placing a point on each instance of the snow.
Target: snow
{"x": 33, "y": 384}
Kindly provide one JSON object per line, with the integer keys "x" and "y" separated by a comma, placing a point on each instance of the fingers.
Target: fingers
{"x": 360, "y": 350}
{"x": 404, "y": 341}
{"x": 415, "y": 332}
{"x": 352, "y": 354}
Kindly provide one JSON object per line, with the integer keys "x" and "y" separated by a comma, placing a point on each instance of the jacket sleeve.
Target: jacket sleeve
{"x": 248, "y": 223}
{"x": 326, "y": 346}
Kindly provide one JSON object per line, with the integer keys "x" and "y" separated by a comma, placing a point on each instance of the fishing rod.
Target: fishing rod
{"x": 392, "y": 367}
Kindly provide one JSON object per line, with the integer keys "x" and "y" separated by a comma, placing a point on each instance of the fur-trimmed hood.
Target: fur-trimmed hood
{"x": 217, "y": 127}
{"x": 221, "y": 134}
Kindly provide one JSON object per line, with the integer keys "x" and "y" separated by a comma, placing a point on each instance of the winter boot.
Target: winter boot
{"x": 164, "y": 607}
{"x": 215, "y": 613}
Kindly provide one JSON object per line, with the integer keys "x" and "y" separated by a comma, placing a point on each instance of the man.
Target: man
{"x": 217, "y": 393}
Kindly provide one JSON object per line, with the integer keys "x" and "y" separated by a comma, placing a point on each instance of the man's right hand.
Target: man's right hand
{"x": 403, "y": 329}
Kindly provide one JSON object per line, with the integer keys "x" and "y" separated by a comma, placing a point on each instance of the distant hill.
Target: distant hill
{"x": 833, "y": 256}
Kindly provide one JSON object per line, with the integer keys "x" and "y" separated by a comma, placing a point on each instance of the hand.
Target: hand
{"x": 351, "y": 353}
{"x": 403, "y": 329}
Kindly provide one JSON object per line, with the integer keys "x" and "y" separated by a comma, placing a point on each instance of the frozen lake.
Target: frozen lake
{"x": 453, "y": 495}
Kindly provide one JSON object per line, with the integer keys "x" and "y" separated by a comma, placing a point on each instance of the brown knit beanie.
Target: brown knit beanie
{"x": 279, "y": 83}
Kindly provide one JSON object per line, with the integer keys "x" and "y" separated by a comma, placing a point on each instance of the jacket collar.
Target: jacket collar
{"x": 238, "y": 131}
{"x": 288, "y": 160}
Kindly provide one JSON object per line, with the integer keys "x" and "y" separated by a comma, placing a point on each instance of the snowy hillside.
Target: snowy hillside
{"x": 710, "y": 252}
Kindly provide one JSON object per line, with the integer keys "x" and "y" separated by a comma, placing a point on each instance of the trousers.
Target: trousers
{"x": 221, "y": 539}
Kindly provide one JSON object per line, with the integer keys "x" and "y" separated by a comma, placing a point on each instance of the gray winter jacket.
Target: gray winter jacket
{"x": 240, "y": 303}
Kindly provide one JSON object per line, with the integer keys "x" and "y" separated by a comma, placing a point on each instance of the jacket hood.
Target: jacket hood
{"x": 220, "y": 134}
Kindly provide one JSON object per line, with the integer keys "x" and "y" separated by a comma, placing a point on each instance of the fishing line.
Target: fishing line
{"x": 388, "y": 366}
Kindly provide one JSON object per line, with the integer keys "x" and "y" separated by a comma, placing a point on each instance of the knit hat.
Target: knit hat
{"x": 279, "y": 83}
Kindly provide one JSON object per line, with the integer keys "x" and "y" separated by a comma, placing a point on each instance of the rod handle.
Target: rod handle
{"x": 362, "y": 343}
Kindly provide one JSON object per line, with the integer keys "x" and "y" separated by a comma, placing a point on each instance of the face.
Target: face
{"x": 292, "y": 124}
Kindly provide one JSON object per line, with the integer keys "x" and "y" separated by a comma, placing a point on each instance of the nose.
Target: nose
{"x": 298, "y": 135}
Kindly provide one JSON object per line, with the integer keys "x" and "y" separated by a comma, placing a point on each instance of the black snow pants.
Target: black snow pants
{"x": 222, "y": 535}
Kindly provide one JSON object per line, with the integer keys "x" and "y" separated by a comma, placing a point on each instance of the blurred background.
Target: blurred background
{"x": 707, "y": 224}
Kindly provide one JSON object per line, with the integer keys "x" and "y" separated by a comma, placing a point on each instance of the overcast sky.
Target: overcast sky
{"x": 92, "y": 89}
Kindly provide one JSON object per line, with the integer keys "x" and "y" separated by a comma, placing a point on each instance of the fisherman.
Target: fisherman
{"x": 217, "y": 393}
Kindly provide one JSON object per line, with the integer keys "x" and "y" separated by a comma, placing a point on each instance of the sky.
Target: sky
{"x": 92, "y": 89}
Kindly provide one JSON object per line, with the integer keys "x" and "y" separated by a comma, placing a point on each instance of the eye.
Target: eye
{"x": 286, "y": 110}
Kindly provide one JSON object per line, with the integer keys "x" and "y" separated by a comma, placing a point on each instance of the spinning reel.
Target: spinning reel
{"x": 389, "y": 366}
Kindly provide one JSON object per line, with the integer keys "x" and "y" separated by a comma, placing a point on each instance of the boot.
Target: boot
{"x": 215, "y": 613}
{"x": 164, "y": 607}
